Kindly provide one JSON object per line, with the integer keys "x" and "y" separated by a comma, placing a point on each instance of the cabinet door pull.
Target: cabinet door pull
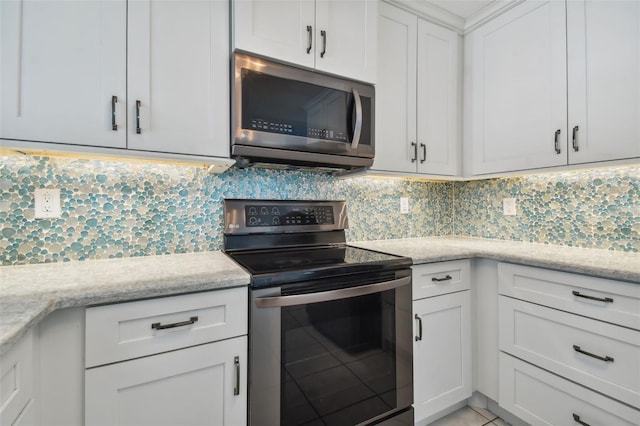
{"x": 138, "y": 129}
{"x": 574, "y": 139}
{"x": 415, "y": 152}
{"x": 236, "y": 363}
{"x": 323, "y": 34}
{"x": 556, "y": 140}
{"x": 114, "y": 126}
{"x": 309, "y": 38}
{"x": 419, "y": 336}
{"x": 576, "y": 418}
{"x": 158, "y": 326}
{"x": 601, "y": 358}
{"x": 424, "y": 153}
{"x": 599, "y": 299}
{"x": 436, "y": 279}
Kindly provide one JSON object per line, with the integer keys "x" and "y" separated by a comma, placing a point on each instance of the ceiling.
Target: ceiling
{"x": 461, "y": 8}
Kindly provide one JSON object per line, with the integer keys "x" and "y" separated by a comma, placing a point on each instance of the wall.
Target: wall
{"x": 113, "y": 209}
{"x": 118, "y": 209}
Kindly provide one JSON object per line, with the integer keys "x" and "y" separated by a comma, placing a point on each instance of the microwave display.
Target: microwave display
{"x": 290, "y": 107}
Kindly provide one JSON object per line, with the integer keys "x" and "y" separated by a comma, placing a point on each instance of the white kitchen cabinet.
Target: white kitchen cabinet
{"x": 416, "y": 95}
{"x": 62, "y": 64}
{"x": 17, "y": 383}
{"x": 174, "y": 360}
{"x": 334, "y": 36}
{"x": 145, "y": 76}
{"x": 442, "y": 328}
{"x": 583, "y": 332}
{"x": 603, "y": 44}
{"x": 554, "y": 84}
{"x": 202, "y": 385}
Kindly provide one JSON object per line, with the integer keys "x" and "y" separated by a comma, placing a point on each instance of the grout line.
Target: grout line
{"x": 483, "y": 414}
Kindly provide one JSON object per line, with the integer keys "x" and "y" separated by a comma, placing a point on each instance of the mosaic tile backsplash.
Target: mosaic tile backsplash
{"x": 114, "y": 209}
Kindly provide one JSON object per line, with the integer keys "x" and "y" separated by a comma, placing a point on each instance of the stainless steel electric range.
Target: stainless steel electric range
{"x": 330, "y": 339}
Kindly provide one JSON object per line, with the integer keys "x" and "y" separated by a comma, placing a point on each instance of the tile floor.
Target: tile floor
{"x": 470, "y": 416}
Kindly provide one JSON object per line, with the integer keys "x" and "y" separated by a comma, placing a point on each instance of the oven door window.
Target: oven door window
{"x": 339, "y": 360}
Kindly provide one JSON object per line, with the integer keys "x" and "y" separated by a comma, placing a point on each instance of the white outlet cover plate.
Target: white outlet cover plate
{"x": 509, "y": 206}
{"x": 47, "y": 203}
{"x": 404, "y": 205}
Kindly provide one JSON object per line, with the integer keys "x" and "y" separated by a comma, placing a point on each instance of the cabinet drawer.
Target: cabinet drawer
{"x": 130, "y": 330}
{"x": 608, "y": 300}
{"x": 542, "y": 398}
{"x": 568, "y": 345}
{"x": 16, "y": 382}
{"x": 434, "y": 279}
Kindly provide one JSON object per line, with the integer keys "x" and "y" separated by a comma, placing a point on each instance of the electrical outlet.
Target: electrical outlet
{"x": 404, "y": 205}
{"x": 509, "y": 206}
{"x": 47, "y": 201}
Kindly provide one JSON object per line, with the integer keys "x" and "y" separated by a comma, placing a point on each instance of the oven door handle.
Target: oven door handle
{"x": 325, "y": 296}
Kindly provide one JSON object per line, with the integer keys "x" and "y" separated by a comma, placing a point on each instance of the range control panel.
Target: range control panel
{"x": 274, "y": 215}
{"x": 265, "y": 216}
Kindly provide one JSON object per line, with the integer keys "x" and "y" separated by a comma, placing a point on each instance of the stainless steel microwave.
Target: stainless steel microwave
{"x": 292, "y": 116}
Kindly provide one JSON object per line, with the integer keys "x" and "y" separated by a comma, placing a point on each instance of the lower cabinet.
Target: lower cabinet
{"x": 17, "y": 384}
{"x": 442, "y": 359}
{"x": 202, "y": 385}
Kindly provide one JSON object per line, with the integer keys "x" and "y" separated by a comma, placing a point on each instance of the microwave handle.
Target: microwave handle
{"x": 357, "y": 130}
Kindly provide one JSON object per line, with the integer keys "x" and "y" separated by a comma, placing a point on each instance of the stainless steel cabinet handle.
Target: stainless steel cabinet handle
{"x": 557, "y": 141}
{"x": 601, "y": 358}
{"x": 599, "y": 299}
{"x": 574, "y": 139}
{"x": 309, "y": 38}
{"x": 415, "y": 152}
{"x": 159, "y": 326}
{"x": 424, "y": 153}
{"x": 114, "y": 126}
{"x": 138, "y": 129}
{"x": 323, "y": 34}
{"x": 324, "y": 296}
{"x": 576, "y": 418}
{"x": 419, "y": 336}
{"x": 447, "y": 278}
{"x": 236, "y": 363}
{"x": 357, "y": 130}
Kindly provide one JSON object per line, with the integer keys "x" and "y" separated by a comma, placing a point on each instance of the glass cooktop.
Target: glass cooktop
{"x": 274, "y": 267}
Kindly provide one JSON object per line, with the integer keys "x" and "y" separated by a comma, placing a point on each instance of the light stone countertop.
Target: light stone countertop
{"x": 29, "y": 293}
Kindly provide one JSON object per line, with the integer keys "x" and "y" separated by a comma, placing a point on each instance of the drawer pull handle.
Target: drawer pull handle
{"x": 419, "y": 336}
{"x": 447, "y": 278}
{"x": 599, "y": 299}
{"x": 601, "y": 358}
{"x": 576, "y": 418}
{"x": 158, "y": 326}
{"x": 236, "y": 363}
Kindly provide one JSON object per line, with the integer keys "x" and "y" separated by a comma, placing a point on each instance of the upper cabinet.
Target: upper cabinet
{"x": 148, "y": 76}
{"x": 416, "y": 95}
{"x": 334, "y": 36}
{"x": 525, "y": 62}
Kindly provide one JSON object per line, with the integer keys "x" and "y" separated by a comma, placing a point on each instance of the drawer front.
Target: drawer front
{"x": 130, "y": 330}
{"x": 434, "y": 279}
{"x": 607, "y": 300}
{"x": 542, "y": 398}
{"x": 16, "y": 381}
{"x": 599, "y": 355}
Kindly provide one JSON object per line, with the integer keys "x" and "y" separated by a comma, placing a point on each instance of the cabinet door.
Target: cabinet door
{"x": 280, "y": 29}
{"x": 193, "y": 386}
{"x": 396, "y": 90}
{"x": 604, "y": 80}
{"x": 62, "y": 63}
{"x": 348, "y": 45}
{"x": 437, "y": 109}
{"x": 442, "y": 357}
{"x": 178, "y": 77}
{"x": 519, "y": 100}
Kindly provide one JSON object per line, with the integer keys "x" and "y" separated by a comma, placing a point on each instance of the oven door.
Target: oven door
{"x": 335, "y": 356}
